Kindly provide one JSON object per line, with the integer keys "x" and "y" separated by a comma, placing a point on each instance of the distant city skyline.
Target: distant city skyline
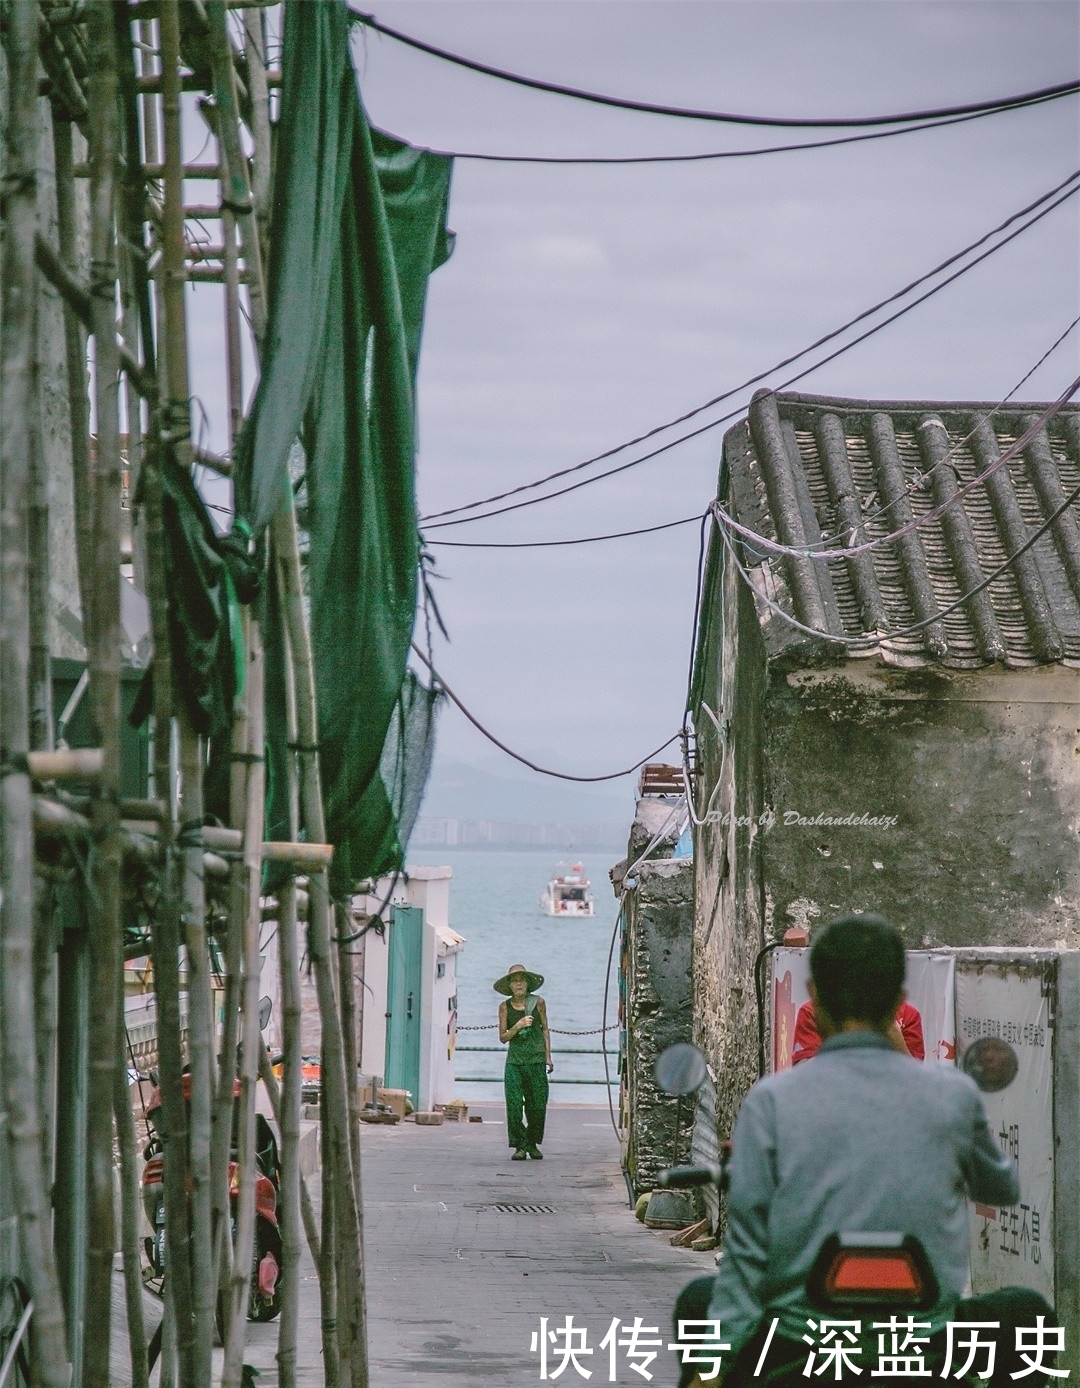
{"x": 450, "y": 832}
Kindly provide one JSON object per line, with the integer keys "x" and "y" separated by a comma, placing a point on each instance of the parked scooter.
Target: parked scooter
{"x": 264, "y": 1301}
{"x": 882, "y": 1274}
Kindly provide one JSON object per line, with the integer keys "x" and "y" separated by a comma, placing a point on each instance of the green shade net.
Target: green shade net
{"x": 359, "y": 224}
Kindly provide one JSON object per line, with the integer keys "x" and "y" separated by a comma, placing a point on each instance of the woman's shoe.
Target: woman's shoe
{"x": 519, "y": 1155}
{"x": 535, "y": 1153}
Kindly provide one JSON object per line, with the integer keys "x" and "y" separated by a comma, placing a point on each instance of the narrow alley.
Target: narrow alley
{"x": 458, "y": 1278}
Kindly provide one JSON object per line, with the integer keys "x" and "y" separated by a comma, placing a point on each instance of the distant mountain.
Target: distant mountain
{"x": 461, "y": 790}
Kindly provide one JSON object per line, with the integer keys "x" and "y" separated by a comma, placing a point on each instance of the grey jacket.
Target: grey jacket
{"x": 860, "y": 1138}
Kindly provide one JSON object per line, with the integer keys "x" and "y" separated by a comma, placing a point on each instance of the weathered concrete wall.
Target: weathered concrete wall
{"x": 974, "y": 780}
{"x": 729, "y": 912}
{"x": 659, "y": 927}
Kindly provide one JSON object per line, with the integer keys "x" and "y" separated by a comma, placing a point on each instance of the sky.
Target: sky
{"x": 584, "y": 306}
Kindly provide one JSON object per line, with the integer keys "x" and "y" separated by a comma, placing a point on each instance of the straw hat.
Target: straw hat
{"x": 502, "y": 985}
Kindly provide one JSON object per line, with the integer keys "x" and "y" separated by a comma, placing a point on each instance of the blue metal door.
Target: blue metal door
{"x": 403, "y": 1000}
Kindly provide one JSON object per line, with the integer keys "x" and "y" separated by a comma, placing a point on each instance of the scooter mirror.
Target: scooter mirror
{"x": 680, "y": 1069}
{"x": 266, "y": 1006}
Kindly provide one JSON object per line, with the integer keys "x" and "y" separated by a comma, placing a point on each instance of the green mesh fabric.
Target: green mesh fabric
{"x": 359, "y": 224}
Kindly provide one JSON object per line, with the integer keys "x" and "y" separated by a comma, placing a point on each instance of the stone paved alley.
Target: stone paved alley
{"x": 455, "y": 1287}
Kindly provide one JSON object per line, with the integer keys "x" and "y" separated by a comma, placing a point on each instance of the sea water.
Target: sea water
{"x": 495, "y": 904}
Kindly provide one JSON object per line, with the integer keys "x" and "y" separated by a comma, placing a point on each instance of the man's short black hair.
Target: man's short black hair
{"x": 857, "y": 964}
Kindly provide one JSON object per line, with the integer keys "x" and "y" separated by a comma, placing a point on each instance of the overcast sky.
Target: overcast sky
{"x": 583, "y": 306}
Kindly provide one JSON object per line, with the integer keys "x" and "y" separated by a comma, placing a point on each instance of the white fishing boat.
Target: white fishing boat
{"x": 568, "y": 894}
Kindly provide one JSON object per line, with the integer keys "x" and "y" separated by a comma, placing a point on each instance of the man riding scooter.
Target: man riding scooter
{"x": 857, "y": 1141}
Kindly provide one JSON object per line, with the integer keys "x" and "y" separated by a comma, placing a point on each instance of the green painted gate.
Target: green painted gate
{"x": 403, "y": 1000}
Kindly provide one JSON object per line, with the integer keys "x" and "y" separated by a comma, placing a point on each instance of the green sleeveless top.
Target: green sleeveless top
{"x": 527, "y": 1046}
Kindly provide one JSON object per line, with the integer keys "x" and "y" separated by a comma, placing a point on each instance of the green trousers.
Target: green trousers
{"x": 526, "y": 1103}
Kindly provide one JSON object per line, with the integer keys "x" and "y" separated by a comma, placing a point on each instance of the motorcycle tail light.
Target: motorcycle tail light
{"x": 872, "y": 1269}
{"x": 153, "y": 1172}
{"x": 867, "y": 1273}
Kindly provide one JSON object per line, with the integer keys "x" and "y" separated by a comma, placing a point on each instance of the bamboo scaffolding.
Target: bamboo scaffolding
{"x": 251, "y": 1041}
{"x": 103, "y": 663}
{"x": 343, "y": 929}
{"x": 129, "y": 1214}
{"x": 175, "y": 428}
{"x": 236, "y": 187}
{"x": 351, "y": 1317}
{"x": 17, "y": 914}
{"x": 200, "y": 1046}
{"x": 307, "y": 1208}
{"x": 117, "y": 91}
{"x": 75, "y": 326}
{"x": 289, "y": 1111}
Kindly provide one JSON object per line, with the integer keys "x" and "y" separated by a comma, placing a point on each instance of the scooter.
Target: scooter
{"x": 855, "y": 1274}
{"x": 264, "y": 1301}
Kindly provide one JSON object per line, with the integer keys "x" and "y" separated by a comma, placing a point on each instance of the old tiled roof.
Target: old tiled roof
{"x": 804, "y": 468}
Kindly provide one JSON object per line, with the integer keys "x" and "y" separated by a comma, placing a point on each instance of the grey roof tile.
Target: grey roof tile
{"x": 821, "y": 472}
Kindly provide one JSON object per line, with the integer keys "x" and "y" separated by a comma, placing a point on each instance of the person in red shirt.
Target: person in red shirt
{"x": 905, "y": 1035}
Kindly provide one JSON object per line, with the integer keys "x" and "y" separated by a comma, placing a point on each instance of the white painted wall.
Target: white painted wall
{"x": 428, "y": 889}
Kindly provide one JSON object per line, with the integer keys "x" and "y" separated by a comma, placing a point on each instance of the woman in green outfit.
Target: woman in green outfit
{"x": 523, "y": 1027}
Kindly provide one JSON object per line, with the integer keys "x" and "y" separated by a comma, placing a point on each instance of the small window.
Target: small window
{"x": 440, "y": 969}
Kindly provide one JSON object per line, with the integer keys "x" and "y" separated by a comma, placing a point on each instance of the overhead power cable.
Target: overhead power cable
{"x": 783, "y": 385}
{"x": 548, "y": 544}
{"x": 589, "y": 160}
{"x": 915, "y": 627}
{"x": 980, "y": 108}
{"x": 543, "y": 770}
{"x": 829, "y": 556}
{"x": 1033, "y": 207}
{"x": 955, "y": 448}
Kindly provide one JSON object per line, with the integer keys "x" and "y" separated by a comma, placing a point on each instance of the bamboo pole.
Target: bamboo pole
{"x": 334, "y": 1372}
{"x": 129, "y": 1214}
{"x": 343, "y": 929}
{"x": 104, "y": 666}
{"x": 258, "y": 81}
{"x": 348, "y": 1212}
{"x": 75, "y": 358}
{"x": 222, "y": 1131}
{"x": 289, "y": 1120}
{"x": 194, "y": 1323}
{"x": 41, "y": 714}
{"x": 234, "y": 164}
{"x": 17, "y": 350}
{"x": 45, "y": 1002}
{"x": 251, "y": 1040}
{"x": 307, "y": 1208}
{"x": 288, "y": 954}
{"x": 200, "y": 1046}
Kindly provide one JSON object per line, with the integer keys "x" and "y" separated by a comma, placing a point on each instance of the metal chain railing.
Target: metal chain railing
{"x": 555, "y": 1031}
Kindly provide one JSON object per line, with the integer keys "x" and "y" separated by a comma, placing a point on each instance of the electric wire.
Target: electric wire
{"x": 605, "y": 160}
{"x": 878, "y": 637}
{"x": 1031, "y": 208}
{"x": 990, "y": 107}
{"x": 954, "y": 450}
{"x": 547, "y": 544}
{"x": 542, "y": 770}
{"x": 828, "y": 556}
{"x": 783, "y": 385}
